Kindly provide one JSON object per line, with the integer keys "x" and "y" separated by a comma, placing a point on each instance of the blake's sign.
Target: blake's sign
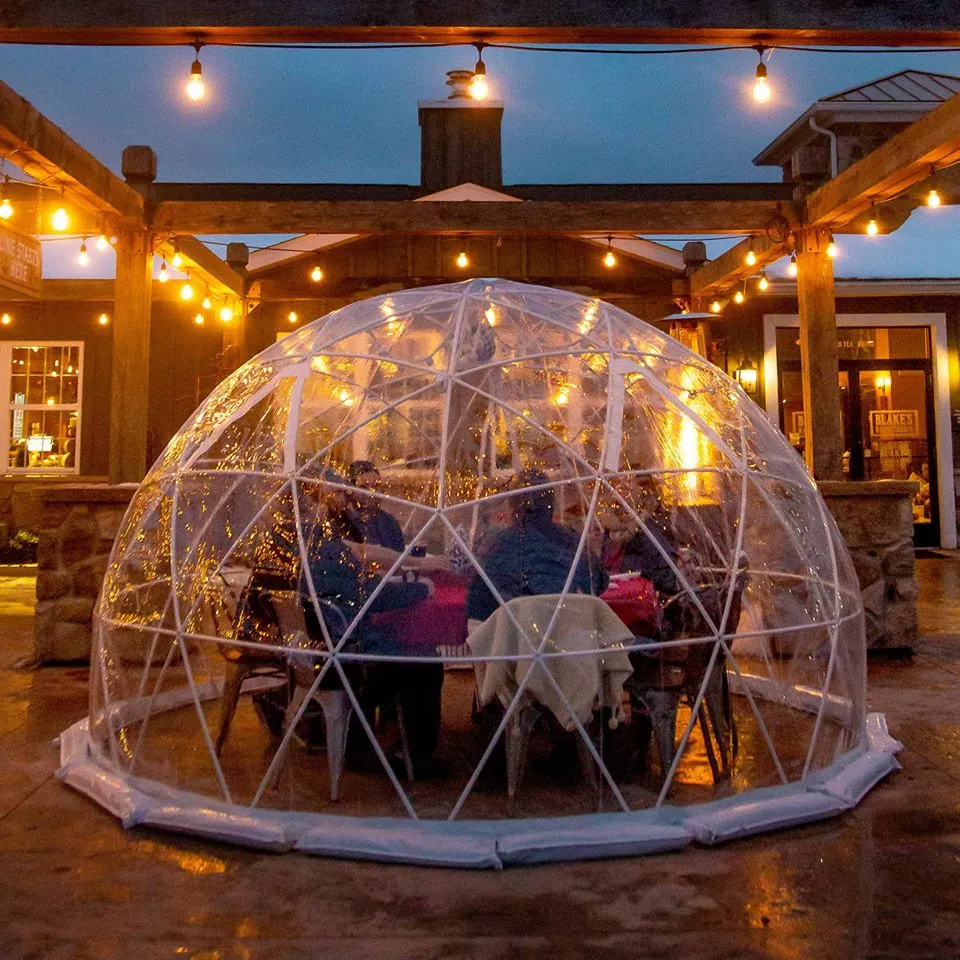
{"x": 20, "y": 261}
{"x": 895, "y": 424}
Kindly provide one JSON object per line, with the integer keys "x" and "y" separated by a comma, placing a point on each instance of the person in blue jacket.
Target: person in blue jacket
{"x": 369, "y": 522}
{"x": 534, "y": 554}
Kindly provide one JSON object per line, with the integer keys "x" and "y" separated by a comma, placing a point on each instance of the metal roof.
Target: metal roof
{"x": 907, "y": 86}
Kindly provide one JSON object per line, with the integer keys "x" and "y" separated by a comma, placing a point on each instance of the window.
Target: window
{"x": 42, "y": 416}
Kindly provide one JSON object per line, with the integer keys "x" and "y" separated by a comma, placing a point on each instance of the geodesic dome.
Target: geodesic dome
{"x": 491, "y": 572}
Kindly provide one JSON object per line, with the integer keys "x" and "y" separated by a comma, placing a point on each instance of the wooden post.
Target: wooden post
{"x": 130, "y": 365}
{"x": 818, "y": 357}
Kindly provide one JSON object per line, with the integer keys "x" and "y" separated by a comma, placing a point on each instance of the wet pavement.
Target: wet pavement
{"x": 880, "y": 882}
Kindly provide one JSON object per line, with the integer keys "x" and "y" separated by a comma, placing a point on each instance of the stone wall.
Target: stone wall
{"x": 876, "y": 521}
{"x": 78, "y": 524}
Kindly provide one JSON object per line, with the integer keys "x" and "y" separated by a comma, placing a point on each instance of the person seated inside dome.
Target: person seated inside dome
{"x": 369, "y": 522}
{"x": 534, "y": 554}
{"x": 342, "y": 586}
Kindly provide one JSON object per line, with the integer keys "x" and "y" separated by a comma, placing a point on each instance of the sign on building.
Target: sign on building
{"x": 895, "y": 424}
{"x": 20, "y": 261}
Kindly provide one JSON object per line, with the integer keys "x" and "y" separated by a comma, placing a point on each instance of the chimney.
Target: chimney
{"x": 460, "y": 138}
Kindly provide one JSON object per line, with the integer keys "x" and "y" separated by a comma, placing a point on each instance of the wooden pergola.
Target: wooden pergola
{"x": 146, "y": 216}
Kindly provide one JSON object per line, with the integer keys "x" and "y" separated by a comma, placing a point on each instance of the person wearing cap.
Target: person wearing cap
{"x": 369, "y": 522}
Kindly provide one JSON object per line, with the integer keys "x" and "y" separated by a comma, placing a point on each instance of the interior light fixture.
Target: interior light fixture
{"x": 6, "y": 319}
{"x": 195, "y": 86}
{"x": 60, "y": 218}
{"x": 479, "y": 88}
{"x": 198, "y": 319}
{"x": 206, "y": 301}
{"x": 292, "y": 316}
{"x": 176, "y": 261}
{"x": 462, "y": 261}
{"x": 226, "y": 314}
{"x": 739, "y": 297}
{"x": 715, "y": 306}
{"x": 747, "y": 376}
{"x": 761, "y": 85}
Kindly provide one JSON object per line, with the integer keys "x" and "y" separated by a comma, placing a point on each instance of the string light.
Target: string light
{"x": 609, "y": 258}
{"x": 292, "y": 316}
{"x": 176, "y": 261}
{"x": 226, "y": 314}
{"x": 316, "y": 274}
{"x": 6, "y": 207}
{"x": 792, "y": 265}
{"x": 195, "y": 86}
{"x": 763, "y": 282}
{"x": 715, "y": 306}
{"x": 163, "y": 276}
{"x": 60, "y": 218}
{"x": 873, "y": 228}
{"x": 103, "y": 319}
{"x": 83, "y": 258}
{"x": 831, "y": 247}
{"x": 186, "y": 292}
{"x": 933, "y": 197}
{"x": 206, "y": 302}
{"x": 102, "y": 243}
{"x": 198, "y": 319}
{"x": 463, "y": 261}
{"x": 479, "y": 88}
{"x": 739, "y": 297}
{"x": 761, "y": 87}
{"x": 6, "y": 319}
{"x": 751, "y": 258}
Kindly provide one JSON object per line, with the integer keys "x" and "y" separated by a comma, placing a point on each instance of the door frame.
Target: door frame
{"x": 937, "y": 324}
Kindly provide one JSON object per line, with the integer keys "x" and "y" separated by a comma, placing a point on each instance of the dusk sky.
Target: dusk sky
{"x": 350, "y": 116}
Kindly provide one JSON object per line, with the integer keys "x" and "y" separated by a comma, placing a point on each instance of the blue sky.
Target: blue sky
{"x": 310, "y": 115}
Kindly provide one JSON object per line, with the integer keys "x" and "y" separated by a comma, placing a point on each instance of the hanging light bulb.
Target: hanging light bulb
{"x": 479, "y": 88}
{"x": 60, "y": 218}
{"x": 715, "y": 306}
{"x": 761, "y": 87}
{"x": 831, "y": 247}
{"x": 463, "y": 261}
{"x": 195, "y": 87}
{"x": 872, "y": 227}
{"x": 316, "y": 274}
{"x": 206, "y": 302}
{"x": 83, "y": 258}
{"x": 751, "y": 258}
{"x": 226, "y": 314}
{"x": 763, "y": 282}
{"x": 792, "y": 265}
{"x": 176, "y": 261}
{"x": 292, "y": 316}
{"x": 933, "y": 200}
{"x": 198, "y": 319}
{"x": 103, "y": 243}
{"x": 103, "y": 319}
{"x": 609, "y": 258}
{"x": 739, "y": 297}
{"x": 163, "y": 276}
{"x": 6, "y": 207}
{"x": 186, "y": 292}
{"x": 6, "y": 319}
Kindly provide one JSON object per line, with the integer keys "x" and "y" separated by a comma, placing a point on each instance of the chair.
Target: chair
{"x": 245, "y": 665}
{"x": 333, "y": 699}
{"x": 666, "y": 678}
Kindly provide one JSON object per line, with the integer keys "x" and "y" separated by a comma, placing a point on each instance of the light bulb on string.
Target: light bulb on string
{"x": 103, "y": 243}
{"x": 872, "y": 228}
{"x": 479, "y": 88}
{"x": 6, "y": 319}
{"x": 715, "y": 306}
{"x": 6, "y": 207}
{"x": 163, "y": 276}
{"x": 292, "y": 316}
{"x": 198, "y": 319}
{"x": 206, "y": 302}
{"x": 463, "y": 261}
{"x": 226, "y": 314}
{"x": 83, "y": 258}
{"x": 739, "y": 297}
{"x": 195, "y": 86}
{"x": 316, "y": 274}
{"x": 176, "y": 261}
{"x": 60, "y": 218}
{"x": 761, "y": 85}
{"x": 792, "y": 265}
{"x": 103, "y": 319}
{"x": 609, "y": 258}
{"x": 933, "y": 197}
{"x": 751, "y": 258}
{"x": 832, "y": 249}
{"x": 763, "y": 282}
{"x": 186, "y": 292}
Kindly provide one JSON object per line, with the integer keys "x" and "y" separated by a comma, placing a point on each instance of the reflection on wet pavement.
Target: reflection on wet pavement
{"x": 878, "y": 882}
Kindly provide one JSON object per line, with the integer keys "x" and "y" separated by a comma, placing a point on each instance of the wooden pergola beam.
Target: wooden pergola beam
{"x": 205, "y": 266}
{"x": 648, "y": 217}
{"x": 730, "y": 268}
{"x": 896, "y": 165}
{"x": 41, "y": 149}
{"x": 842, "y": 22}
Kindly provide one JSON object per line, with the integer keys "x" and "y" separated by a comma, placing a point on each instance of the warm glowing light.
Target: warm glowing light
{"x": 761, "y": 85}
{"x": 50, "y": 401}
{"x": 206, "y": 303}
{"x": 103, "y": 319}
{"x": 883, "y": 382}
{"x": 292, "y": 316}
{"x": 163, "y": 276}
{"x": 751, "y": 258}
{"x": 102, "y": 243}
{"x": 763, "y": 282}
{"x": 872, "y": 227}
{"x": 792, "y": 265}
{"x": 226, "y": 314}
{"x": 747, "y": 377}
{"x": 198, "y": 319}
{"x": 463, "y": 261}
{"x": 316, "y": 274}
{"x": 195, "y": 86}
{"x": 715, "y": 306}
{"x": 562, "y": 397}
{"x": 319, "y": 364}
{"x": 345, "y": 397}
{"x": 738, "y": 297}
{"x": 60, "y": 219}
{"x": 491, "y": 315}
{"x": 933, "y": 200}
{"x": 6, "y": 319}
{"x": 831, "y": 249}
{"x": 6, "y": 208}
{"x": 176, "y": 261}
{"x": 83, "y": 258}
{"x": 186, "y": 292}
{"x": 609, "y": 260}
{"x": 479, "y": 88}
{"x": 394, "y": 327}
